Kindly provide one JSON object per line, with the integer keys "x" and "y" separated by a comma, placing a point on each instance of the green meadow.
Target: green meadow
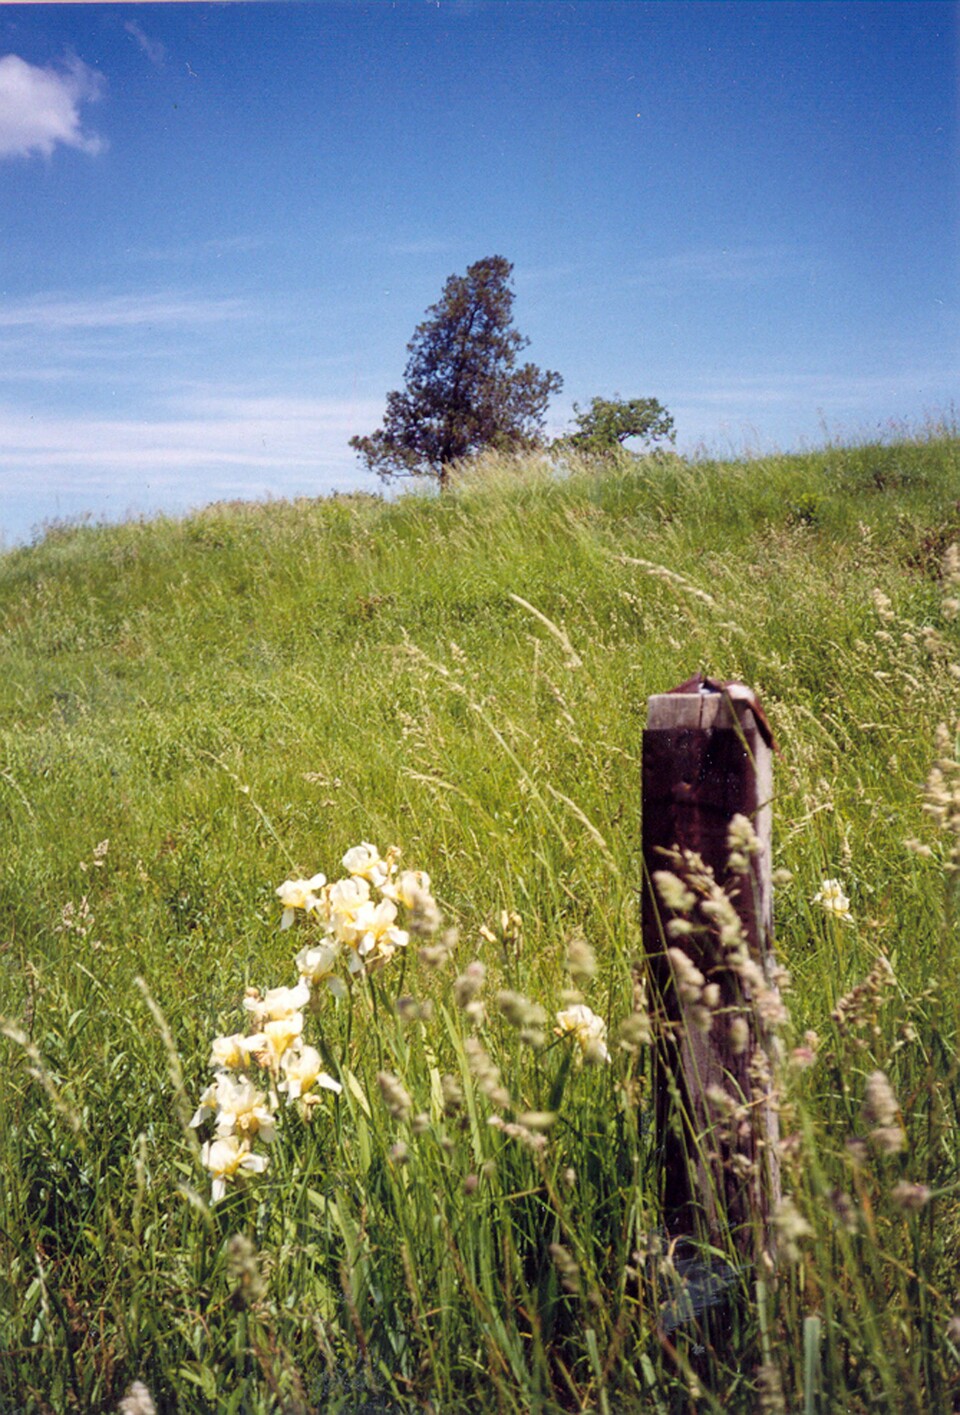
{"x": 194, "y": 711}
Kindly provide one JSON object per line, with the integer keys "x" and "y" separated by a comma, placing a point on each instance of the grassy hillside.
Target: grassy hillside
{"x": 193, "y": 711}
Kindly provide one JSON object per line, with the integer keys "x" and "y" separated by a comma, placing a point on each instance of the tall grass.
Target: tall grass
{"x": 194, "y": 711}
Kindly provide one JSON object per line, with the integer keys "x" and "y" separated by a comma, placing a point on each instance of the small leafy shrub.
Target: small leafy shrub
{"x": 805, "y": 510}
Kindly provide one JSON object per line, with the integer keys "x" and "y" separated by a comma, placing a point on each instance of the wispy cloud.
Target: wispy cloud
{"x": 216, "y": 247}
{"x": 739, "y": 265}
{"x": 820, "y": 390}
{"x": 402, "y": 246}
{"x": 40, "y": 107}
{"x": 767, "y": 411}
{"x": 208, "y": 445}
{"x": 154, "y": 50}
{"x": 545, "y": 274}
{"x": 427, "y": 246}
{"x": 271, "y": 436}
{"x": 53, "y": 312}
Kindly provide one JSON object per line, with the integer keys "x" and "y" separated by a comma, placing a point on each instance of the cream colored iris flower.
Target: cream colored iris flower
{"x": 318, "y": 964}
{"x": 341, "y": 902}
{"x": 364, "y": 862}
{"x": 234, "y": 1052}
{"x": 302, "y": 1071}
{"x": 297, "y": 894}
{"x": 242, "y": 1110}
{"x": 375, "y": 934}
{"x": 280, "y": 1035}
{"x": 830, "y": 897}
{"x": 408, "y": 888}
{"x": 225, "y": 1158}
{"x": 207, "y": 1106}
{"x": 589, "y": 1030}
{"x": 277, "y": 1003}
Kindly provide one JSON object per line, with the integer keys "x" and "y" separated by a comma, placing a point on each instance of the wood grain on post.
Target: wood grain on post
{"x": 707, "y": 759}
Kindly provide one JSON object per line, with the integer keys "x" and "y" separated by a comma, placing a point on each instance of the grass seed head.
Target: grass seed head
{"x": 395, "y": 1095}
{"x": 880, "y": 1106}
{"x": 791, "y": 1227}
{"x": 244, "y": 1271}
{"x": 137, "y": 1401}
{"x": 581, "y": 961}
{"x": 566, "y": 1266}
{"x": 911, "y": 1197}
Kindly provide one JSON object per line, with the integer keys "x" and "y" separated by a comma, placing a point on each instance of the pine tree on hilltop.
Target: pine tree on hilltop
{"x": 463, "y": 389}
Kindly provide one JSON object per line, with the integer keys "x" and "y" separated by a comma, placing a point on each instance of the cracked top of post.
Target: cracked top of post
{"x": 734, "y": 693}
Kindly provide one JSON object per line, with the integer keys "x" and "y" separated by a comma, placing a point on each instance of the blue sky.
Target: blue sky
{"x": 220, "y": 224}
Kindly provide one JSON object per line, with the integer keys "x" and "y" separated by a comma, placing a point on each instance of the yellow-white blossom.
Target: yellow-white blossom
{"x": 340, "y": 904}
{"x": 279, "y": 1035}
{"x": 302, "y": 1070}
{"x": 297, "y": 894}
{"x": 830, "y": 897}
{"x": 589, "y": 1030}
{"x": 277, "y": 1003}
{"x": 408, "y": 888}
{"x": 207, "y": 1106}
{"x": 375, "y": 933}
{"x": 234, "y": 1052}
{"x": 227, "y": 1156}
{"x": 242, "y": 1110}
{"x": 317, "y": 964}
{"x": 364, "y": 862}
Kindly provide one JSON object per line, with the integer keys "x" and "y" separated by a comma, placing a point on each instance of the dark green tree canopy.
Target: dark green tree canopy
{"x": 609, "y": 422}
{"x": 463, "y": 389}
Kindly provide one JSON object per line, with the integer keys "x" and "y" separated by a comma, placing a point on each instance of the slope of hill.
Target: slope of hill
{"x": 193, "y": 711}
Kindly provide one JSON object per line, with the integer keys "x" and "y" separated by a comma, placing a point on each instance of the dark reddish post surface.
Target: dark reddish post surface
{"x": 706, "y": 759}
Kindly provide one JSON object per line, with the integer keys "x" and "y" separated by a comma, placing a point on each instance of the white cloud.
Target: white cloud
{"x": 210, "y": 444}
{"x": 216, "y": 247}
{"x": 427, "y": 246}
{"x": 755, "y": 413}
{"x": 274, "y": 437}
{"x": 154, "y": 50}
{"x": 736, "y": 265}
{"x": 50, "y": 312}
{"x": 820, "y": 390}
{"x": 40, "y": 107}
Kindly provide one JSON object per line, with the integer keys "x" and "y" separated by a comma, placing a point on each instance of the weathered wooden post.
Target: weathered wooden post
{"x": 707, "y": 934}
